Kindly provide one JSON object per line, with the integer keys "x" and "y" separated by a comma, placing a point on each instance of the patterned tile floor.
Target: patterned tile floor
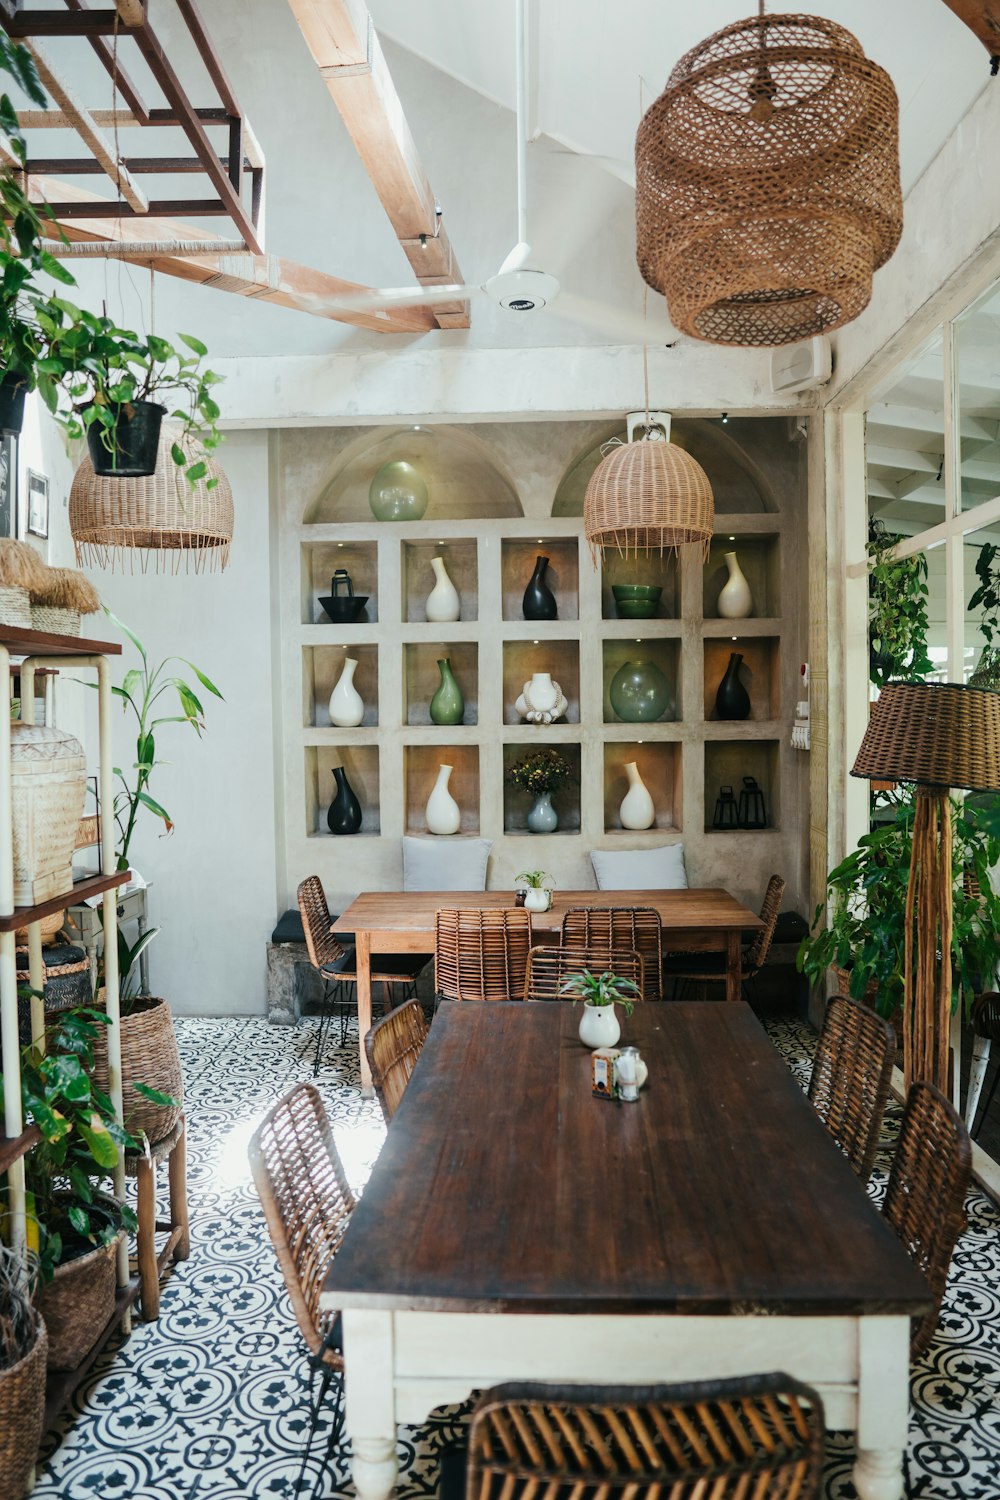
{"x": 209, "y": 1403}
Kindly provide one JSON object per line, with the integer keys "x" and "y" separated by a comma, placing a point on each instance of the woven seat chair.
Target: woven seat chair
{"x": 392, "y": 1047}
{"x": 706, "y": 969}
{"x": 985, "y": 1022}
{"x": 307, "y": 1203}
{"x": 549, "y": 968}
{"x": 852, "y": 1071}
{"x": 481, "y": 955}
{"x": 635, "y": 927}
{"x": 925, "y": 1198}
{"x": 336, "y": 965}
{"x": 722, "y": 1440}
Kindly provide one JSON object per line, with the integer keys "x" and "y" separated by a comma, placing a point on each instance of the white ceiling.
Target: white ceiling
{"x": 589, "y": 57}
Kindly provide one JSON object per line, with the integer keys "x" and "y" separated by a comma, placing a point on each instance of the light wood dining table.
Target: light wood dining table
{"x": 403, "y": 922}
{"x": 516, "y": 1227}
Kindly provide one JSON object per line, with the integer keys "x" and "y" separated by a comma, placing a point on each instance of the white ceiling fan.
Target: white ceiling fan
{"x": 517, "y": 286}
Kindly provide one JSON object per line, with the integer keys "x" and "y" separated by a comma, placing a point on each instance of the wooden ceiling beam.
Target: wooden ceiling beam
{"x": 265, "y": 278}
{"x": 344, "y": 45}
{"x": 982, "y": 18}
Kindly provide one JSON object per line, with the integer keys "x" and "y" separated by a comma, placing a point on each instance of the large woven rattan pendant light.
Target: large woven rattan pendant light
{"x": 161, "y": 521}
{"x": 648, "y": 494}
{"x": 767, "y": 182}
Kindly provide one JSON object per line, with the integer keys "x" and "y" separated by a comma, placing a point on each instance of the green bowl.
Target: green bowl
{"x": 636, "y": 601}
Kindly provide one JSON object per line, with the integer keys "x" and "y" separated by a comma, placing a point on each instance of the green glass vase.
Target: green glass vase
{"x": 398, "y": 493}
{"x": 448, "y": 704}
{"x": 639, "y": 692}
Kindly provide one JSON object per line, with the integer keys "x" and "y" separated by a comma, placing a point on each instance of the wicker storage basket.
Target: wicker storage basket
{"x": 67, "y": 984}
{"x": 77, "y": 1303}
{"x": 48, "y": 784}
{"x": 149, "y": 1056}
{"x": 55, "y": 621}
{"x": 15, "y": 607}
{"x": 50, "y": 926}
{"x": 22, "y": 1413}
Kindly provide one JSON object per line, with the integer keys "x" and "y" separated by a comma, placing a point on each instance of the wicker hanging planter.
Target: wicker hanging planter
{"x": 161, "y": 518}
{"x": 767, "y": 182}
{"x": 648, "y": 495}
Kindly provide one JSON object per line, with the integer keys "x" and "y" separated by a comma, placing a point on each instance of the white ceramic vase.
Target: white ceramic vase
{"x": 637, "y": 810}
{"x": 537, "y": 899}
{"x": 347, "y": 707}
{"x": 599, "y": 1026}
{"x": 541, "y": 701}
{"x": 735, "y": 600}
{"x": 442, "y": 601}
{"x": 442, "y": 811}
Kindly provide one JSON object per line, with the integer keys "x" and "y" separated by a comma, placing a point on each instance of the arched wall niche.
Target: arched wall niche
{"x": 738, "y": 482}
{"x": 464, "y": 478}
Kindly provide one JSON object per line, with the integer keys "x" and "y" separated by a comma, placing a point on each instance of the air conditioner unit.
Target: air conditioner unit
{"x": 801, "y": 367}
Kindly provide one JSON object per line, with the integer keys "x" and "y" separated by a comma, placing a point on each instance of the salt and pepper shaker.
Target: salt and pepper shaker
{"x": 627, "y": 1074}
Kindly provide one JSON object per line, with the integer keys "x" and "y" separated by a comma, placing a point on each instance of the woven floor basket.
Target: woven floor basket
{"x": 55, "y": 621}
{"x": 15, "y": 607}
{"x": 77, "y": 1303}
{"x": 22, "y": 1413}
{"x": 149, "y": 1056}
{"x": 767, "y": 182}
{"x": 648, "y": 496}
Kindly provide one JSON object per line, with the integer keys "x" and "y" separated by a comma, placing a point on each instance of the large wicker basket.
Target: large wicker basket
{"x": 22, "y": 1413}
{"x": 77, "y": 1304}
{"x": 54, "y": 620}
{"x": 149, "y": 1056}
{"x": 15, "y": 606}
{"x": 48, "y": 786}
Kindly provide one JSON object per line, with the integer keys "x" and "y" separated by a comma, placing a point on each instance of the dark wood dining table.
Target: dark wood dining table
{"x": 403, "y": 922}
{"x": 515, "y": 1226}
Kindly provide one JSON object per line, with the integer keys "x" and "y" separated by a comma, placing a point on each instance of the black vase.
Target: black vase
{"x": 13, "y": 389}
{"x": 344, "y": 815}
{"x": 539, "y": 601}
{"x": 128, "y": 449}
{"x": 732, "y": 701}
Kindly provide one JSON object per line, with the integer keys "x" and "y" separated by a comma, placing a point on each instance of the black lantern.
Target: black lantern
{"x": 726, "y": 811}
{"x": 753, "y": 813}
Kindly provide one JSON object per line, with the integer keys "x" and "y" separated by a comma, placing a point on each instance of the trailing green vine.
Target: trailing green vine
{"x": 897, "y": 610}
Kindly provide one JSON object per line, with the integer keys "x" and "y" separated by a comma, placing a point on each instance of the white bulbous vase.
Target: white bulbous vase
{"x": 599, "y": 1026}
{"x": 442, "y": 601}
{"x": 442, "y": 811}
{"x": 347, "y": 708}
{"x": 735, "y": 600}
{"x": 637, "y": 810}
{"x": 541, "y": 701}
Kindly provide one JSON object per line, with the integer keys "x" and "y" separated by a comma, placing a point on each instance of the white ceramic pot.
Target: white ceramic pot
{"x": 637, "y": 810}
{"x": 442, "y": 813}
{"x": 599, "y": 1026}
{"x": 541, "y": 701}
{"x": 347, "y": 707}
{"x": 537, "y": 899}
{"x": 442, "y": 601}
{"x": 735, "y": 600}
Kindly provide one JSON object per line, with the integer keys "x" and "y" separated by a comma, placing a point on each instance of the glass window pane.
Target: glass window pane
{"x": 977, "y": 357}
{"x": 905, "y": 445}
{"x": 982, "y": 619}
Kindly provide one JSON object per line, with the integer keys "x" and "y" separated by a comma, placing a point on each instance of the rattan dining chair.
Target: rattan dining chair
{"x": 481, "y": 955}
{"x": 635, "y": 927}
{"x": 336, "y": 965}
{"x": 852, "y": 1072}
{"x": 925, "y": 1197}
{"x": 706, "y": 969}
{"x": 307, "y": 1203}
{"x": 549, "y": 968}
{"x": 711, "y": 1440}
{"x": 392, "y": 1047}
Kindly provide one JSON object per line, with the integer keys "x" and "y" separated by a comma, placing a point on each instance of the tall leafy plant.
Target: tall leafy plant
{"x": 897, "y": 610}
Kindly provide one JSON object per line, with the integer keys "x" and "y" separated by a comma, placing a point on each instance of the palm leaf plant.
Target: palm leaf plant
{"x": 600, "y": 989}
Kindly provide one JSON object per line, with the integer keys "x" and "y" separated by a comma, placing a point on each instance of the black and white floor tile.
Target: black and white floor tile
{"x": 210, "y": 1402}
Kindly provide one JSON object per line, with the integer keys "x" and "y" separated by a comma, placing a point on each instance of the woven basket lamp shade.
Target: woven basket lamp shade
{"x": 767, "y": 182}
{"x": 648, "y": 495}
{"x": 938, "y": 735}
{"x": 163, "y": 520}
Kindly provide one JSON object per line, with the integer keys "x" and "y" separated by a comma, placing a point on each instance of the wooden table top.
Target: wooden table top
{"x": 413, "y": 911}
{"x": 504, "y": 1185}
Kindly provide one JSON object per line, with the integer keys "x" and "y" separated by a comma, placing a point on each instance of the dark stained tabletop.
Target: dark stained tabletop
{"x": 504, "y": 1185}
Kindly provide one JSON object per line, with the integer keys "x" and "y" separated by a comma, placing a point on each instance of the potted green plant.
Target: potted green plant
{"x": 537, "y": 888}
{"x": 24, "y": 1349}
{"x": 600, "y": 994}
{"x": 897, "y": 610}
{"x": 541, "y": 775}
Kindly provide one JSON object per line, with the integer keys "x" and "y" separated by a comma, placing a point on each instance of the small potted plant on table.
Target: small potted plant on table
{"x": 600, "y": 994}
{"x": 536, "y": 887}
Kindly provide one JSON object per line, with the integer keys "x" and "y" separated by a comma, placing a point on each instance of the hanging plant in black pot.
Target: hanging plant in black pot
{"x": 13, "y": 390}
{"x": 123, "y": 441}
{"x": 344, "y": 815}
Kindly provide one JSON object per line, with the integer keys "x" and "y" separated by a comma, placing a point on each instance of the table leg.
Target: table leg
{"x": 363, "y": 970}
{"x": 369, "y": 1402}
{"x": 883, "y": 1407}
{"x": 734, "y": 965}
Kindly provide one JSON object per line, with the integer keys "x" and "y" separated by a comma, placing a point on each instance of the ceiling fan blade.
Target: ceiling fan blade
{"x": 620, "y": 323}
{"x": 393, "y": 296}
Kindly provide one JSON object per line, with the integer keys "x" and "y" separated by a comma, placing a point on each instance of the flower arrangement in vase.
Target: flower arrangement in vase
{"x": 600, "y": 994}
{"x": 538, "y": 894}
{"x": 541, "y": 774}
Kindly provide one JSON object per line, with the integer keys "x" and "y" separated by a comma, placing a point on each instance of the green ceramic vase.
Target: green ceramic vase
{"x": 448, "y": 704}
{"x": 639, "y": 692}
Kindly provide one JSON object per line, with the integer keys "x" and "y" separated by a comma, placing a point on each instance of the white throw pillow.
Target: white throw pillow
{"x": 659, "y": 869}
{"x": 445, "y": 864}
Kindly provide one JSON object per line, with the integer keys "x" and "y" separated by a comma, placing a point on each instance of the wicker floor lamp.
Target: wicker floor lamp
{"x": 937, "y": 736}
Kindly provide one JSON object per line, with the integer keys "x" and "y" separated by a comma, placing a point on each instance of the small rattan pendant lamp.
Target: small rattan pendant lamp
{"x": 767, "y": 182}
{"x": 163, "y": 519}
{"x": 938, "y": 735}
{"x": 648, "y": 495}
